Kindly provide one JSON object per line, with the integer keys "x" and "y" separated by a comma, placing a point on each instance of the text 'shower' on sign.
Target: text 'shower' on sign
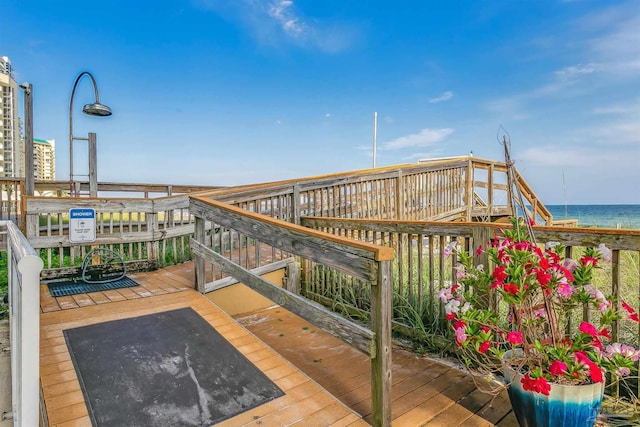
{"x": 82, "y": 225}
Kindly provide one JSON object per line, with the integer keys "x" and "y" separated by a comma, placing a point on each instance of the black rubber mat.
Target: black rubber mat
{"x": 164, "y": 369}
{"x": 73, "y": 287}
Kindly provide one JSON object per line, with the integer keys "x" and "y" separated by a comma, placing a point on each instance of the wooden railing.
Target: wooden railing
{"x": 10, "y": 206}
{"x": 24, "y": 266}
{"x": 148, "y": 233}
{"x": 360, "y": 261}
{"x": 154, "y": 232}
{"x": 454, "y": 189}
{"x": 12, "y": 190}
{"x": 421, "y": 268}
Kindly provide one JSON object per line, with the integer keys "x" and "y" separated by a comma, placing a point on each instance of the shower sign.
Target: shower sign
{"x": 82, "y": 225}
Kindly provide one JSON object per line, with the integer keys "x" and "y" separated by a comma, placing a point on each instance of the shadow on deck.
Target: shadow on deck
{"x": 425, "y": 391}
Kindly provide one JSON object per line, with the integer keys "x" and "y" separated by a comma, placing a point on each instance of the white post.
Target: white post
{"x": 24, "y": 267}
{"x": 375, "y": 136}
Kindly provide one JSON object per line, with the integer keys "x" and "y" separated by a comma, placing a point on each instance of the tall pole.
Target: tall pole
{"x": 375, "y": 136}
{"x": 95, "y": 109}
{"x": 29, "y": 174}
{"x": 93, "y": 166}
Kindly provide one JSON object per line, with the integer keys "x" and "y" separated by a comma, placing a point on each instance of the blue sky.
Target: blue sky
{"x": 240, "y": 91}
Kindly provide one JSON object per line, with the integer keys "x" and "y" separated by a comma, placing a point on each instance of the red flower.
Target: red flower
{"x": 557, "y": 368}
{"x": 484, "y": 347}
{"x": 514, "y": 337}
{"x": 499, "y": 273}
{"x": 632, "y": 313}
{"x": 451, "y": 316}
{"x": 543, "y": 277}
{"x": 589, "y": 260}
{"x": 479, "y": 251}
{"x": 459, "y": 324}
{"x": 589, "y": 329}
{"x": 594, "y": 370}
{"x": 544, "y": 263}
{"x": 566, "y": 273}
{"x": 539, "y": 385}
{"x": 511, "y": 288}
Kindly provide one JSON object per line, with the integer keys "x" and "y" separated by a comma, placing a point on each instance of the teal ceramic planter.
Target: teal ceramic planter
{"x": 566, "y": 405}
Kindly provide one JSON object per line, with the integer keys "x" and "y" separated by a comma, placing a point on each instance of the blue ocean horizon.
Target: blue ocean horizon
{"x": 602, "y": 216}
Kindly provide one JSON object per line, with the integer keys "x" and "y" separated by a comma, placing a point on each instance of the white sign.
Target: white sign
{"x": 82, "y": 225}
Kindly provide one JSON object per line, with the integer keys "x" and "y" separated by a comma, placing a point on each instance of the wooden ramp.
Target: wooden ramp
{"x": 425, "y": 390}
{"x": 304, "y": 403}
{"x": 326, "y": 381}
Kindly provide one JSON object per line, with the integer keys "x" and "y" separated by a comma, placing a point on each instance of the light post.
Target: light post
{"x": 95, "y": 109}
{"x": 29, "y": 177}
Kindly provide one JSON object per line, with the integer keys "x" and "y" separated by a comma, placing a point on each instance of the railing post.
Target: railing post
{"x": 615, "y": 290}
{"x": 381, "y": 311}
{"x": 400, "y": 196}
{"x": 152, "y": 226}
{"x": 481, "y": 235}
{"x": 199, "y": 235}
{"x": 469, "y": 189}
{"x": 296, "y": 204}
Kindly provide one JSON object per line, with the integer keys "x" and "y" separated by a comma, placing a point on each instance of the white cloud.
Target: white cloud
{"x": 424, "y": 138}
{"x": 276, "y": 22}
{"x": 615, "y": 44}
{"x": 282, "y": 12}
{"x": 572, "y": 71}
{"x": 444, "y": 97}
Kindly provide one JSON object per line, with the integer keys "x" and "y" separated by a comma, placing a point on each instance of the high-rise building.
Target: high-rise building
{"x": 10, "y": 140}
{"x": 44, "y": 159}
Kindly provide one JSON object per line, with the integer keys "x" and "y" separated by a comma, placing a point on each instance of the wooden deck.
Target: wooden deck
{"x": 326, "y": 382}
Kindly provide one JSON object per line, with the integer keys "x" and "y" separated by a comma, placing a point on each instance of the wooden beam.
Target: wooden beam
{"x": 357, "y": 336}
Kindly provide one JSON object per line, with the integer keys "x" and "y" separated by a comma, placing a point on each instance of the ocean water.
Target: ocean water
{"x": 604, "y": 216}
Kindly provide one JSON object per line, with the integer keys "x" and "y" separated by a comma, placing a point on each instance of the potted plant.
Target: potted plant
{"x": 554, "y": 364}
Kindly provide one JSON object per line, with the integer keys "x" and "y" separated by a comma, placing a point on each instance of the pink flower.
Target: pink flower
{"x": 449, "y": 249}
{"x": 461, "y": 336}
{"x": 460, "y": 271}
{"x": 539, "y": 313}
{"x": 514, "y": 337}
{"x": 558, "y": 368}
{"x": 626, "y": 351}
{"x": 623, "y": 372}
{"x": 444, "y": 294}
{"x": 479, "y": 251}
{"x": 565, "y": 290}
{"x": 570, "y": 264}
{"x": 605, "y": 252}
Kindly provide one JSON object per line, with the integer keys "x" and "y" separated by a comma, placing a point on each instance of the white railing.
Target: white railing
{"x": 24, "y": 267}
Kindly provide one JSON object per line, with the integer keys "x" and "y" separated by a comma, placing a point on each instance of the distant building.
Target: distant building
{"x": 10, "y": 141}
{"x": 44, "y": 159}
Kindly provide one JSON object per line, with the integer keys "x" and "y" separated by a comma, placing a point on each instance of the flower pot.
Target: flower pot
{"x": 566, "y": 405}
